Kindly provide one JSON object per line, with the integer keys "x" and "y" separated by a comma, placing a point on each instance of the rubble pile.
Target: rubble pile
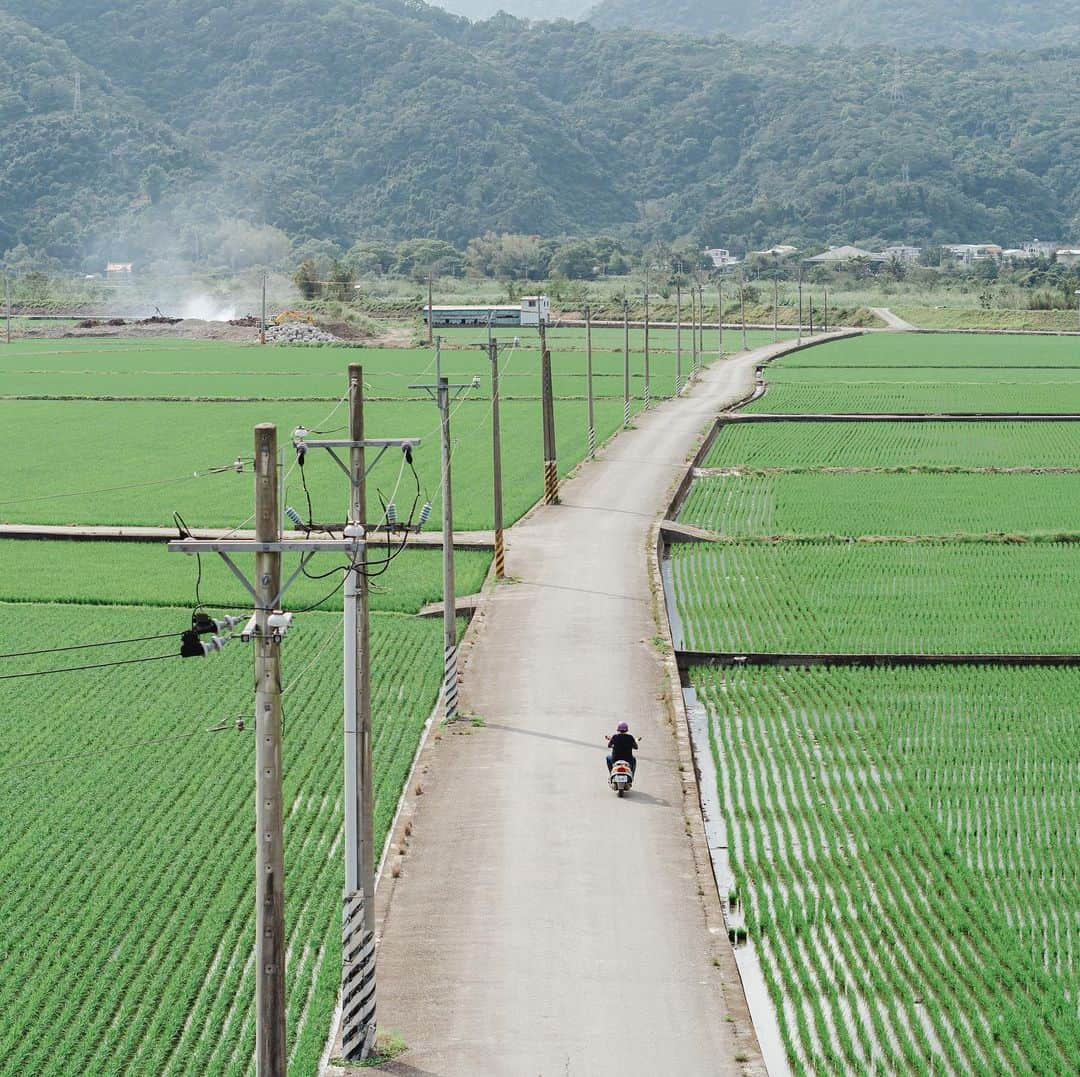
{"x": 299, "y": 333}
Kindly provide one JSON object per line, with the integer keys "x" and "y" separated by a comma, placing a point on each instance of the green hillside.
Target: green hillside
{"x": 341, "y": 120}
{"x": 912, "y": 24}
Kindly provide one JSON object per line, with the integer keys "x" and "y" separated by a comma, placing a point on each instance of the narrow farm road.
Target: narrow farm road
{"x": 540, "y": 925}
{"x": 893, "y": 321}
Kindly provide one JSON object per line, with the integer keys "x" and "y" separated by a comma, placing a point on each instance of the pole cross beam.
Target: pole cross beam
{"x": 382, "y": 444}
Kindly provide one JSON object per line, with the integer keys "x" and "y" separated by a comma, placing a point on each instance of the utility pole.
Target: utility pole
{"x": 430, "y": 319}
{"x": 646, "y": 392}
{"x": 678, "y": 338}
{"x": 626, "y": 363}
{"x": 701, "y": 324}
{"x": 496, "y": 456}
{"x": 551, "y": 466}
{"x": 269, "y": 827}
{"x": 800, "y": 305}
{"x": 358, "y": 911}
{"x": 826, "y": 326}
{"x": 742, "y": 303}
{"x": 262, "y": 323}
{"x": 720, "y": 317}
{"x": 589, "y": 381}
{"x": 775, "y": 310}
{"x": 693, "y": 331}
{"x": 811, "y": 313}
{"x": 441, "y": 394}
{"x": 7, "y": 306}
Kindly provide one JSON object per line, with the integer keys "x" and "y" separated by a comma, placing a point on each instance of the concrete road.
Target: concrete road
{"x": 893, "y": 321}
{"x": 541, "y": 925}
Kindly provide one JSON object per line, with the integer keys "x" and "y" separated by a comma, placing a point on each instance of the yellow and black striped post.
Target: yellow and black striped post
{"x": 496, "y": 458}
{"x": 357, "y": 980}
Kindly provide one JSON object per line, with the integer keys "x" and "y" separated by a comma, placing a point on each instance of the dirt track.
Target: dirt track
{"x": 538, "y": 918}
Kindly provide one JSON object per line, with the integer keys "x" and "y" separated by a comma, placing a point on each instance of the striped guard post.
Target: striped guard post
{"x": 646, "y": 401}
{"x": 450, "y": 684}
{"x": 500, "y": 555}
{"x": 626, "y": 413}
{"x": 551, "y": 482}
{"x": 592, "y": 441}
{"x": 357, "y": 980}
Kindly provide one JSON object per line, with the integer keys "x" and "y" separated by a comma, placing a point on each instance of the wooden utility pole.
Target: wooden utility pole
{"x": 358, "y": 913}
{"x": 551, "y": 466}
{"x": 678, "y": 338}
{"x": 647, "y": 391}
{"x": 430, "y": 317}
{"x": 589, "y": 382}
{"x": 496, "y": 457}
{"x": 626, "y": 362}
{"x": 269, "y": 832}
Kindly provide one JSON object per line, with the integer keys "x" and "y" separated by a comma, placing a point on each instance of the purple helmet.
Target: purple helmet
{"x": 623, "y": 727}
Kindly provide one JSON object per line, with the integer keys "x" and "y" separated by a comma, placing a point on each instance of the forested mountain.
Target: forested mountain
{"x": 899, "y": 24}
{"x": 525, "y": 9}
{"x": 348, "y": 119}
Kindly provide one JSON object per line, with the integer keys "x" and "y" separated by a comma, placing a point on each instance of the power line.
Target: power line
{"x": 87, "y": 646}
{"x": 96, "y": 665}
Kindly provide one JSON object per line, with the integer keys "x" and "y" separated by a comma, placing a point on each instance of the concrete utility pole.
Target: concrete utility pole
{"x": 551, "y": 466}
{"x": 811, "y": 313}
{"x": 720, "y": 317}
{"x": 358, "y": 913}
{"x": 800, "y": 304}
{"x": 647, "y": 391}
{"x": 430, "y": 318}
{"x": 7, "y": 306}
{"x": 269, "y": 828}
{"x": 825, "y": 327}
{"x": 626, "y": 363}
{"x": 496, "y": 457}
{"x": 775, "y": 310}
{"x": 678, "y": 338}
{"x": 701, "y": 324}
{"x": 693, "y": 331}
{"x": 742, "y": 305}
{"x": 262, "y": 323}
{"x": 589, "y": 382}
{"x": 441, "y": 393}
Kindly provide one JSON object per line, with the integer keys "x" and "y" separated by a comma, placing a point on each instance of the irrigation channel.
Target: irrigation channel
{"x": 671, "y": 532}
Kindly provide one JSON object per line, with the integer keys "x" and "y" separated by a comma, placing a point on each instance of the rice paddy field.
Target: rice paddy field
{"x": 900, "y": 842}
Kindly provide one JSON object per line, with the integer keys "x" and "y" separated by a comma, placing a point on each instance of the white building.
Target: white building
{"x": 1067, "y": 256}
{"x": 847, "y": 253}
{"x": 902, "y": 253}
{"x": 1041, "y": 248}
{"x": 781, "y": 250}
{"x": 973, "y": 252}
{"x": 529, "y": 311}
{"x": 721, "y": 257}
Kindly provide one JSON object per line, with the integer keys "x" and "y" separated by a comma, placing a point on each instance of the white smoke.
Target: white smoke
{"x": 206, "y": 308}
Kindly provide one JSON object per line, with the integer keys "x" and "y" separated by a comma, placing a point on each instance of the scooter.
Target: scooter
{"x": 621, "y": 778}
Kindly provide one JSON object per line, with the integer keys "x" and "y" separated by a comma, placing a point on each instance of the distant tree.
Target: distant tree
{"x": 306, "y": 279}
{"x": 575, "y": 260}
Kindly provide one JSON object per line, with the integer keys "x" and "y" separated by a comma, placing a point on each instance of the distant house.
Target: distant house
{"x": 967, "y": 253}
{"x": 1041, "y": 248}
{"x": 118, "y": 270}
{"x": 847, "y": 253}
{"x": 721, "y": 257}
{"x": 902, "y": 253}
{"x": 1016, "y": 254}
{"x": 1068, "y": 256}
{"x": 781, "y": 250}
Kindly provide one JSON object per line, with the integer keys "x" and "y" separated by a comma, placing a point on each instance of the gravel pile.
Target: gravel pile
{"x": 299, "y": 333}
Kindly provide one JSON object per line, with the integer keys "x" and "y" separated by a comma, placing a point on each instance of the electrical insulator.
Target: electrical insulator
{"x": 295, "y": 517}
{"x": 391, "y": 515}
{"x": 425, "y": 513}
{"x": 238, "y": 465}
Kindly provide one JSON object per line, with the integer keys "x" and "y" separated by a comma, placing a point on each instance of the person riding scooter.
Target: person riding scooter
{"x": 622, "y": 747}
